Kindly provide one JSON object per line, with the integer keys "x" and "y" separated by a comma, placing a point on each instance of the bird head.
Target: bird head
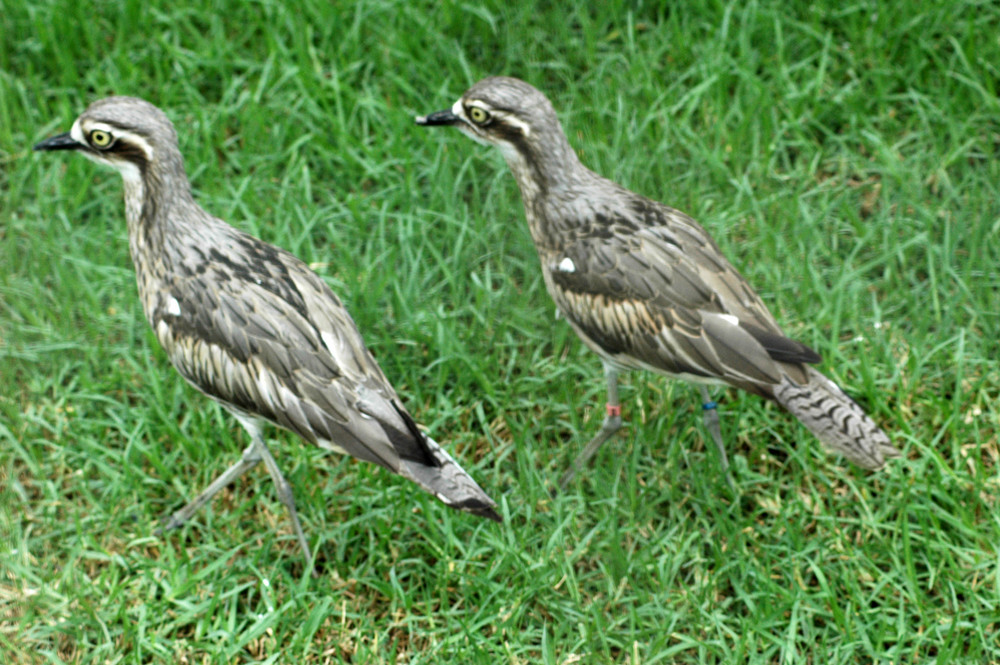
{"x": 501, "y": 111}
{"x": 519, "y": 120}
{"x": 125, "y": 133}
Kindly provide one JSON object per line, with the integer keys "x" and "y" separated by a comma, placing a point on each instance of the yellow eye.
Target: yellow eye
{"x": 100, "y": 138}
{"x": 478, "y": 115}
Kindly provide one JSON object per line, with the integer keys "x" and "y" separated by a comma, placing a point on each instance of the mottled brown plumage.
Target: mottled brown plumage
{"x": 249, "y": 324}
{"x": 643, "y": 284}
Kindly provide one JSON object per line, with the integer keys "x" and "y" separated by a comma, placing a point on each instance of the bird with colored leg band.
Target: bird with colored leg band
{"x": 644, "y": 285}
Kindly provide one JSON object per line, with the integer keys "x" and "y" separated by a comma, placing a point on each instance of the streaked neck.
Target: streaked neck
{"x": 545, "y": 166}
{"x": 153, "y": 198}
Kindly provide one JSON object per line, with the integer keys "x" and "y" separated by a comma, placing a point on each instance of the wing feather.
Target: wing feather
{"x": 271, "y": 339}
{"x": 663, "y": 297}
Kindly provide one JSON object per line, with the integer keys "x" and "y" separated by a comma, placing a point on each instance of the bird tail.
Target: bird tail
{"x": 836, "y": 420}
{"x": 450, "y": 483}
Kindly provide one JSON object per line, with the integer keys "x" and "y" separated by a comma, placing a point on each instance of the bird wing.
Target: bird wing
{"x": 664, "y": 297}
{"x": 268, "y": 337}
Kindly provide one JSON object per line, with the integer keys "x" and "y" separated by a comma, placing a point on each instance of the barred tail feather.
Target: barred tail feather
{"x": 836, "y": 420}
{"x": 450, "y": 483}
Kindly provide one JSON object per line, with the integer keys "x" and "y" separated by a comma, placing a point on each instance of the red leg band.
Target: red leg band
{"x": 614, "y": 410}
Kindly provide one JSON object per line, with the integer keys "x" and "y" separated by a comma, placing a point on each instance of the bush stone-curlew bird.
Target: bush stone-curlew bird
{"x": 644, "y": 285}
{"x": 250, "y": 325}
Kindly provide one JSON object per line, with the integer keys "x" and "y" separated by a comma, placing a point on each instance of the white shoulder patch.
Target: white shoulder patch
{"x": 173, "y": 307}
{"x": 264, "y": 386}
{"x": 330, "y": 342}
{"x": 730, "y": 319}
{"x": 567, "y": 265}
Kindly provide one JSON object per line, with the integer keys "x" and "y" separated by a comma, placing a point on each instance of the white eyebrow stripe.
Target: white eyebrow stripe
{"x": 77, "y": 133}
{"x": 139, "y": 141}
{"x": 514, "y": 121}
{"x": 114, "y": 131}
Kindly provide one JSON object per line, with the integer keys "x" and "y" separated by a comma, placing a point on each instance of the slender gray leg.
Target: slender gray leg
{"x": 708, "y": 407}
{"x": 256, "y": 452}
{"x": 251, "y": 456}
{"x": 612, "y": 423}
{"x": 287, "y": 498}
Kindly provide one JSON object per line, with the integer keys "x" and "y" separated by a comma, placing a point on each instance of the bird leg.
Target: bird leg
{"x": 284, "y": 489}
{"x": 612, "y": 423}
{"x": 710, "y": 409}
{"x": 251, "y": 456}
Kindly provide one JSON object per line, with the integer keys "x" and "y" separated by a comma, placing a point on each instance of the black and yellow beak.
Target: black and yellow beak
{"x": 445, "y": 117}
{"x": 59, "y": 142}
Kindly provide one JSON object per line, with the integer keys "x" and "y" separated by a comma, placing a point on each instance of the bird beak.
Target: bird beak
{"x": 445, "y": 117}
{"x": 60, "y": 142}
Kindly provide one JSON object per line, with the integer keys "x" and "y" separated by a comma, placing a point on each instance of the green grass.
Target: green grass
{"x": 845, "y": 156}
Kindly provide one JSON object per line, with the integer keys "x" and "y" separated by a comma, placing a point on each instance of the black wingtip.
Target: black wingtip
{"x": 783, "y": 349}
{"x": 491, "y": 514}
{"x": 481, "y": 510}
